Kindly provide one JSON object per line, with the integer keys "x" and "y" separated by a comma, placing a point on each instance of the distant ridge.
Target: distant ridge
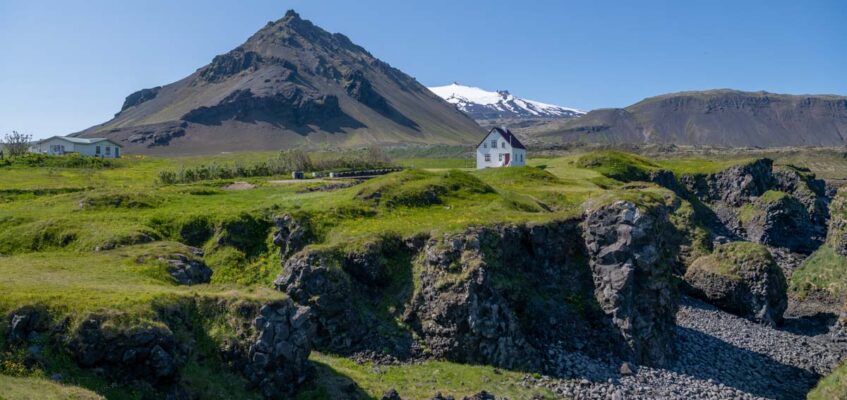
{"x": 722, "y": 117}
{"x": 290, "y": 84}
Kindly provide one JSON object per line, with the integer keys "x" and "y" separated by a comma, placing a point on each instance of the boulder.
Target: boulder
{"x": 631, "y": 260}
{"x": 741, "y": 278}
{"x": 778, "y": 219}
{"x": 278, "y": 358}
{"x": 187, "y": 270}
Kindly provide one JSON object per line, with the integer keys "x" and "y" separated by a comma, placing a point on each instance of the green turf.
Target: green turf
{"x": 832, "y": 386}
{"x": 12, "y": 388}
{"x": 416, "y": 381}
{"x": 824, "y": 271}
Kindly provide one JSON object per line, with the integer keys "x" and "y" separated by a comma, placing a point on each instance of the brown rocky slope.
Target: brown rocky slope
{"x": 716, "y": 118}
{"x": 290, "y": 84}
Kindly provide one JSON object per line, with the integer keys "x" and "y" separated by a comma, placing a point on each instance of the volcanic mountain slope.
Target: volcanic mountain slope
{"x": 481, "y": 104}
{"x": 716, "y": 117}
{"x": 291, "y": 84}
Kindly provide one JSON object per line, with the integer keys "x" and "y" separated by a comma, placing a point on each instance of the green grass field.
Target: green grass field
{"x": 83, "y": 240}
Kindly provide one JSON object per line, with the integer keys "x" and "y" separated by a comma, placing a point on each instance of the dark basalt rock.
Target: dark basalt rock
{"x": 311, "y": 279}
{"x": 782, "y": 222}
{"x": 140, "y": 97}
{"x": 391, "y": 395}
{"x": 631, "y": 259}
{"x": 291, "y": 104}
{"x": 157, "y": 135}
{"x": 459, "y": 313}
{"x": 741, "y": 278}
{"x": 145, "y": 353}
{"x": 361, "y": 89}
{"x": 226, "y": 65}
{"x": 186, "y": 270}
{"x": 27, "y": 322}
{"x": 290, "y": 235}
{"x": 279, "y": 356}
{"x": 733, "y": 186}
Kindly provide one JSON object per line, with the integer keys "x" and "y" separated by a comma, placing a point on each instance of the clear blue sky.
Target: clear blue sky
{"x": 66, "y": 65}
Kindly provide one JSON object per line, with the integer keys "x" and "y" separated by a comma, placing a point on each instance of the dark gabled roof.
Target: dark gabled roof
{"x": 507, "y": 135}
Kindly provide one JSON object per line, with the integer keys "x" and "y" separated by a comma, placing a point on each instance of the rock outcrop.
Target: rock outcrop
{"x": 147, "y": 353}
{"x": 279, "y": 357}
{"x": 741, "y": 278}
{"x": 186, "y": 270}
{"x": 457, "y": 294}
{"x": 290, "y": 235}
{"x": 25, "y": 323}
{"x": 779, "y": 220}
{"x": 315, "y": 279}
{"x": 459, "y": 313}
{"x": 631, "y": 262}
{"x": 733, "y": 186}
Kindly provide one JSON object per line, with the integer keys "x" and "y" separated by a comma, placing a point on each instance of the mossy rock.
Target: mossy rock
{"x": 742, "y": 278}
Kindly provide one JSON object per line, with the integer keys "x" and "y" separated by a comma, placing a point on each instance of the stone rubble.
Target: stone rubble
{"x": 719, "y": 356}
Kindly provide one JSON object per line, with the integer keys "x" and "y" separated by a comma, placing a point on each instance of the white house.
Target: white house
{"x": 500, "y": 148}
{"x": 94, "y": 147}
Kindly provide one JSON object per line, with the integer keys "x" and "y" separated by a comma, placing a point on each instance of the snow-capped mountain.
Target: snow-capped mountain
{"x": 481, "y": 104}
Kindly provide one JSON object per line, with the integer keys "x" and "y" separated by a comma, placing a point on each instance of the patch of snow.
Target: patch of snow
{"x": 480, "y": 103}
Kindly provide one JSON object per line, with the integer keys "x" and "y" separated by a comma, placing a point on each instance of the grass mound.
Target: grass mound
{"x": 731, "y": 258}
{"x": 416, "y": 188}
{"x": 824, "y": 271}
{"x": 118, "y": 200}
{"x": 619, "y": 166}
{"x": 337, "y": 375}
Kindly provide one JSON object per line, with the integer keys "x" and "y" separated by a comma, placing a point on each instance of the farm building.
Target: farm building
{"x": 500, "y": 148}
{"x": 93, "y": 147}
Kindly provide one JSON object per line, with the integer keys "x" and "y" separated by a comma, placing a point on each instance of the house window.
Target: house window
{"x": 97, "y": 150}
{"x": 117, "y": 152}
{"x": 494, "y": 144}
{"x": 488, "y": 158}
{"x": 484, "y": 145}
{"x": 500, "y": 157}
{"x": 503, "y": 145}
{"x": 108, "y": 151}
{"x": 57, "y": 149}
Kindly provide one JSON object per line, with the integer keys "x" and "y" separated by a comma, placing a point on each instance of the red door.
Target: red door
{"x": 507, "y": 159}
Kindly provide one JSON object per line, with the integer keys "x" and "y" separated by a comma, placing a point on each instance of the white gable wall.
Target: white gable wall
{"x": 495, "y": 147}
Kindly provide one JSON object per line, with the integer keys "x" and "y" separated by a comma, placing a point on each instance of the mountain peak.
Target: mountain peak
{"x": 292, "y": 83}
{"x": 481, "y": 104}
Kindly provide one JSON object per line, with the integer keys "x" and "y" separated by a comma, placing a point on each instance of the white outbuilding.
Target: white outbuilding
{"x": 500, "y": 148}
{"x": 93, "y": 147}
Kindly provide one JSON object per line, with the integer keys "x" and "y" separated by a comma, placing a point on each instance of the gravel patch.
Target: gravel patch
{"x": 719, "y": 356}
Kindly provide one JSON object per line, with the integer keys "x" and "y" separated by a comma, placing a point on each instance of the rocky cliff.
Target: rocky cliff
{"x": 497, "y": 295}
{"x": 267, "y": 344}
